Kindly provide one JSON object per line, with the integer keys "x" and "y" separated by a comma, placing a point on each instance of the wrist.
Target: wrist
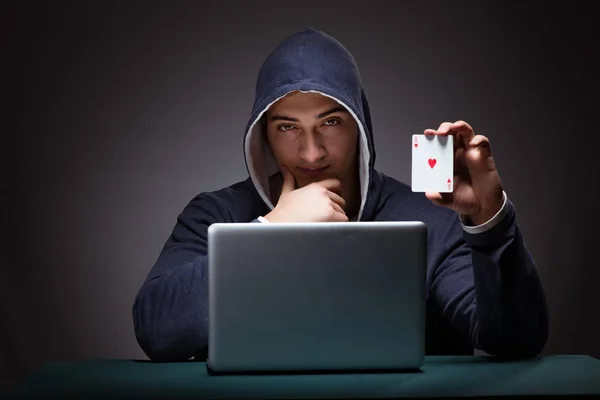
{"x": 488, "y": 211}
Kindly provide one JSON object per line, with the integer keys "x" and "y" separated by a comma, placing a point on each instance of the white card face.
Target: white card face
{"x": 432, "y": 163}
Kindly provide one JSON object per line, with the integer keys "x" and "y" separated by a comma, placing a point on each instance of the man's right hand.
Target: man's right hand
{"x": 317, "y": 202}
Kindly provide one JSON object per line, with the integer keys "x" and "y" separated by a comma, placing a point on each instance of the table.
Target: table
{"x": 440, "y": 376}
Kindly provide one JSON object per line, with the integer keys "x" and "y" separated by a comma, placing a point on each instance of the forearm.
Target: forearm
{"x": 170, "y": 313}
{"x": 512, "y": 314}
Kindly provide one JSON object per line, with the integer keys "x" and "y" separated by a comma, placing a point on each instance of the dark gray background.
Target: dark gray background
{"x": 118, "y": 113}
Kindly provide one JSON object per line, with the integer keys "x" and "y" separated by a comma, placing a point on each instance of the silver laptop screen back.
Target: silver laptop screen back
{"x": 317, "y": 296}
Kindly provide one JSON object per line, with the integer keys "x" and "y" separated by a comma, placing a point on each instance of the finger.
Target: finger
{"x": 461, "y": 125}
{"x": 333, "y": 185}
{"x": 460, "y": 163}
{"x": 479, "y": 154}
{"x": 443, "y": 129}
{"x": 339, "y": 215}
{"x": 337, "y": 208}
{"x": 289, "y": 182}
{"x": 337, "y": 199}
{"x": 464, "y": 131}
{"x": 482, "y": 143}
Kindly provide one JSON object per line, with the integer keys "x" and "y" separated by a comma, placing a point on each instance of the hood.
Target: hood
{"x": 310, "y": 61}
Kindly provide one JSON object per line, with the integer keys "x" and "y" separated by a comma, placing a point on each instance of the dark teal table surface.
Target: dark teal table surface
{"x": 476, "y": 376}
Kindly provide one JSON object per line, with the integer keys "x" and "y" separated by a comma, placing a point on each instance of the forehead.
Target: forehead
{"x": 302, "y": 102}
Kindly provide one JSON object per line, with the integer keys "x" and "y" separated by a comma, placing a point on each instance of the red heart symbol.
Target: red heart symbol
{"x": 432, "y": 162}
{"x": 416, "y": 144}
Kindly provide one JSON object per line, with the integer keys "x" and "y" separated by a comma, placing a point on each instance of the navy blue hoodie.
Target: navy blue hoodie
{"x": 483, "y": 289}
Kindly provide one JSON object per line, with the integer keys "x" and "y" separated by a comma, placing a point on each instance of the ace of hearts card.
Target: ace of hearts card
{"x": 432, "y": 163}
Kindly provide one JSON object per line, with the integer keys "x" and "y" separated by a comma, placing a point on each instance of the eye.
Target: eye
{"x": 285, "y": 127}
{"x": 331, "y": 122}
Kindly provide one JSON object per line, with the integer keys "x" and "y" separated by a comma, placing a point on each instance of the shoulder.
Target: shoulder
{"x": 238, "y": 191}
{"x": 238, "y": 202}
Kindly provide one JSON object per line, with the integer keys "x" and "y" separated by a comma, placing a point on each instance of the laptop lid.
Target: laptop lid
{"x": 316, "y": 296}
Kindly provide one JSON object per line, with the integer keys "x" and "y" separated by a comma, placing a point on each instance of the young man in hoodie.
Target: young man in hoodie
{"x": 310, "y": 157}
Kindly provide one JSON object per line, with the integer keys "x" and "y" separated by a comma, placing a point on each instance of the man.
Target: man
{"x": 310, "y": 156}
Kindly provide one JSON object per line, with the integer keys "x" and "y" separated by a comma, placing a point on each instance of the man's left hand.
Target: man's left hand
{"x": 478, "y": 191}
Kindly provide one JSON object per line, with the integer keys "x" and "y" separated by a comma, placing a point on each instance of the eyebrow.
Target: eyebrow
{"x": 323, "y": 114}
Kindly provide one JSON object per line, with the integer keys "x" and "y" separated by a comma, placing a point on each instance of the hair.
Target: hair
{"x": 263, "y": 126}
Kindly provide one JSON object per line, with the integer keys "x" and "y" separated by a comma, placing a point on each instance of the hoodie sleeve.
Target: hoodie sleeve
{"x": 170, "y": 311}
{"x": 489, "y": 286}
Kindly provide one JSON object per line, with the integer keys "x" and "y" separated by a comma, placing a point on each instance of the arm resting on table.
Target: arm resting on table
{"x": 489, "y": 286}
{"x": 170, "y": 311}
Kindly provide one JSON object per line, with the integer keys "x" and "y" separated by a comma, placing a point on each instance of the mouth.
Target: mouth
{"x": 314, "y": 171}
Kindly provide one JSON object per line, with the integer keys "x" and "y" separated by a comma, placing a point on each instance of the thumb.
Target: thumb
{"x": 289, "y": 182}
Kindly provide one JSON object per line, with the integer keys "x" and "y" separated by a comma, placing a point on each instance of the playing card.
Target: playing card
{"x": 432, "y": 163}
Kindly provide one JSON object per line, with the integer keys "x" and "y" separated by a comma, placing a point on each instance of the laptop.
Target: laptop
{"x": 293, "y": 297}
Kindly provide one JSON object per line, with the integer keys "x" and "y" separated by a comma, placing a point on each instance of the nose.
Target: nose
{"x": 311, "y": 149}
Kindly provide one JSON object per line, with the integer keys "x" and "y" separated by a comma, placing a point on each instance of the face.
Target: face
{"x": 314, "y": 137}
